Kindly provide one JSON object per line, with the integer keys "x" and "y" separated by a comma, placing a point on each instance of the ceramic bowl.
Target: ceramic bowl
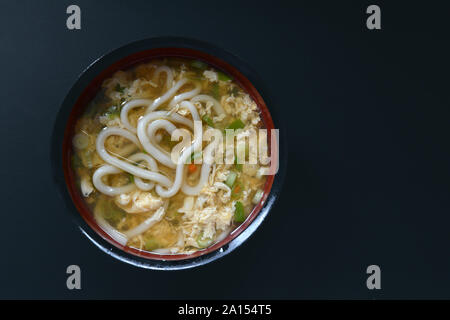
{"x": 84, "y": 90}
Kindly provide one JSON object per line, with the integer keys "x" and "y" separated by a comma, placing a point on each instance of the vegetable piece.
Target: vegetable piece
{"x": 236, "y": 124}
{"x": 241, "y": 154}
{"x": 237, "y": 165}
{"x": 242, "y": 148}
{"x": 199, "y": 64}
{"x": 234, "y": 91}
{"x": 215, "y": 91}
{"x": 151, "y": 244}
{"x": 80, "y": 141}
{"x": 194, "y": 155}
{"x": 203, "y": 242}
{"x": 257, "y": 197}
{"x": 86, "y": 158}
{"x": 192, "y": 168}
{"x": 236, "y": 192}
{"x": 231, "y": 179}
{"x": 118, "y": 88}
{"x": 239, "y": 215}
{"x": 112, "y": 112}
{"x": 223, "y": 77}
{"x": 208, "y": 121}
{"x": 131, "y": 178}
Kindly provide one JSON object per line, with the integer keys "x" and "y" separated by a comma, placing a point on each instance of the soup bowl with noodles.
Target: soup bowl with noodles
{"x": 132, "y": 157}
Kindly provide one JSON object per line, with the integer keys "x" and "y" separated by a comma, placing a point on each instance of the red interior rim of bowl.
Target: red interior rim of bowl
{"x": 89, "y": 93}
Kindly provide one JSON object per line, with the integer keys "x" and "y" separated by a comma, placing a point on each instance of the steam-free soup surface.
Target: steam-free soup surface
{"x": 122, "y": 146}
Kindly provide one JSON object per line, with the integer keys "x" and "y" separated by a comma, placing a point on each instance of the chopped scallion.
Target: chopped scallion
{"x": 151, "y": 244}
{"x": 199, "y": 64}
{"x": 118, "y": 88}
{"x": 239, "y": 215}
{"x": 231, "y": 179}
{"x": 194, "y": 155}
{"x": 215, "y": 91}
{"x": 208, "y": 121}
{"x": 203, "y": 242}
{"x": 223, "y": 77}
{"x": 112, "y": 112}
{"x": 257, "y": 197}
{"x": 236, "y": 124}
{"x": 237, "y": 165}
{"x": 80, "y": 141}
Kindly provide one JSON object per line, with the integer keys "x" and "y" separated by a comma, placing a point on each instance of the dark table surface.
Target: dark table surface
{"x": 367, "y": 119}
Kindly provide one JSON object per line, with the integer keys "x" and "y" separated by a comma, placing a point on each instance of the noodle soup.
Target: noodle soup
{"x": 123, "y": 156}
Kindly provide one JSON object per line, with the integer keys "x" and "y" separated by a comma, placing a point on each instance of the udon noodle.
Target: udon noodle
{"x": 141, "y": 192}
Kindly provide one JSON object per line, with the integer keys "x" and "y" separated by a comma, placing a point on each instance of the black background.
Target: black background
{"x": 366, "y": 113}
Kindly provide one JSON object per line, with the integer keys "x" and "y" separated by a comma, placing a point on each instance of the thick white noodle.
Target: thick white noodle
{"x": 121, "y": 164}
{"x": 185, "y": 95}
{"x": 196, "y": 145}
{"x": 175, "y": 117}
{"x": 206, "y": 98}
{"x": 166, "y": 96}
{"x": 145, "y": 186}
{"x": 108, "y": 190}
{"x": 131, "y": 105}
{"x": 113, "y": 233}
{"x": 208, "y": 158}
{"x": 146, "y": 131}
{"x": 147, "y": 224}
{"x": 169, "y": 74}
{"x": 148, "y": 144}
{"x": 159, "y": 154}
